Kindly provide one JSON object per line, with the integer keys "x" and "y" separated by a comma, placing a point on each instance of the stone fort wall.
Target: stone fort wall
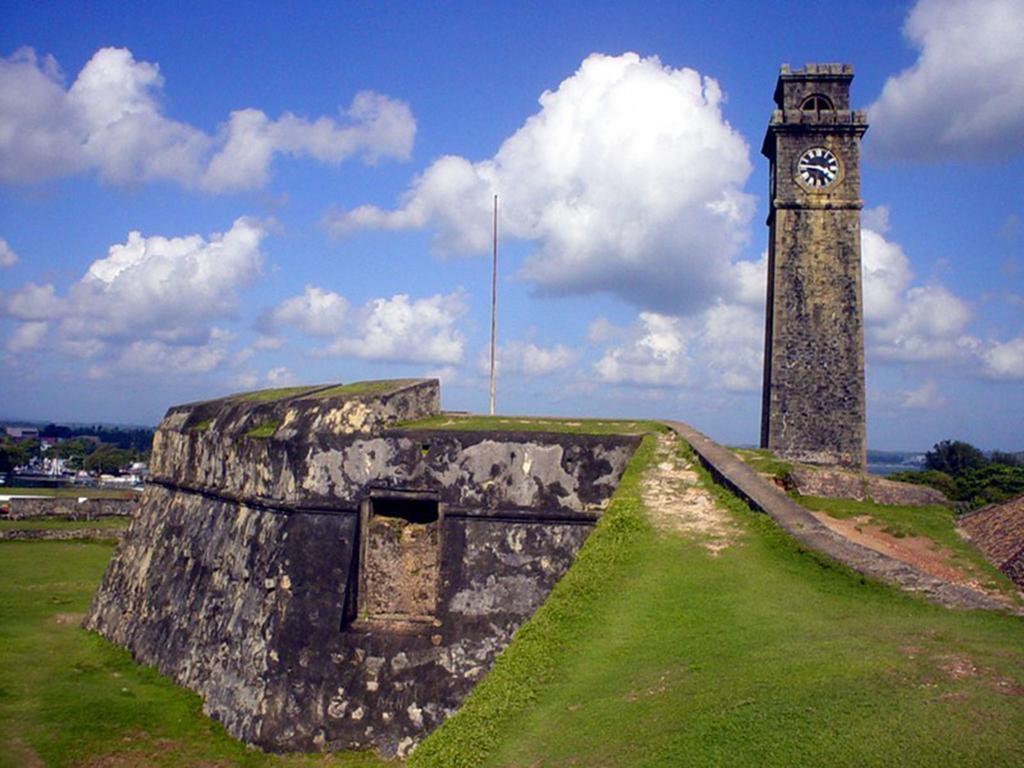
{"x": 339, "y": 587}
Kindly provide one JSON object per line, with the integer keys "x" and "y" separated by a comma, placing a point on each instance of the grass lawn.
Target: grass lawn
{"x": 68, "y": 697}
{"x": 271, "y": 395}
{"x": 526, "y": 424}
{"x": 36, "y": 524}
{"x": 764, "y": 461}
{"x": 365, "y": 388}
{"x": 652, "y": 652}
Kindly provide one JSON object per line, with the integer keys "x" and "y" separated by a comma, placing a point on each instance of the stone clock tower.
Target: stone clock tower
{"x": 813, "y": 399}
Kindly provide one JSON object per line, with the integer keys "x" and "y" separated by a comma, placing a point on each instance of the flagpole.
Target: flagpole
{"x": 494, "y": 301}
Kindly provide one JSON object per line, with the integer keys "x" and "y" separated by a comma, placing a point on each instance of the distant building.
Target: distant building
{"x": 22, "y": 433}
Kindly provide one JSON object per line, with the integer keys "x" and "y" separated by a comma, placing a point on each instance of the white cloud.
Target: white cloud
{"x": 518, "y": 358}
{"x": 448, "y": 375}
{"x": 876, "y": 219}
{"x": 280, "y": 377}
{"x": 316, "y": 312}
{"x": 964, "y": 96}
{"x": 886, "y": 274}
{"x": 925, "y": 397}
{"x": 731, "y": 347}
{"x": 931, "y": 326}
{"x": 151, "y": 299}
{"x": 628, "y": 180}
{"x": 27, "y": 336}
{"x": 653, "y": 354}
{"x": 403, "y": 330}
{"x": 268, "y": 342}
{"x": 397, "y": 329}
{"x": 1005, "y": 360}
{"x": 154, "y": 357}
{"x": 376, "y": 126}
{"x": 111, "y": 121}
{"x": 905, "y": 323}
{"x": 749, "y": 280}
{"x": 602, "y": 330}
{"x": 33, "y": 302}
{"x": 8, "y": 258}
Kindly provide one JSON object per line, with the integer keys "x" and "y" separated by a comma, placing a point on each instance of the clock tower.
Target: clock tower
{"x": 812, "y": 406}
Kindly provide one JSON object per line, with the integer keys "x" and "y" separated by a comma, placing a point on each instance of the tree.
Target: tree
{"x": 13, "y": 454}
{"x": 1009, "y": 459}
{"x": 109, "y": 459}
{"x": 954, "y": 457}
{"x": 72, "y": 451}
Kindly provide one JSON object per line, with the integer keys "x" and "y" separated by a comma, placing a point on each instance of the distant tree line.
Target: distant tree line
{"x": 117, "y": 447}
{"x": 134, "y": 438}
{"x": 967, "y": 475}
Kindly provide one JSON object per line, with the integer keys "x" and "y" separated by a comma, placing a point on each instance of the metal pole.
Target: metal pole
{"x": 494, "y": 301}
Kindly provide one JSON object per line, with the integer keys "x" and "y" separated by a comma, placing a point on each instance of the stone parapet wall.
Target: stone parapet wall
{"x": 332, "y": 581}
{"x": 564, "y": 473}
{"x": 71, "y": 508}
{"x": 60, "y": 534}
{"x": 832, "y": 483}
{"x": 327, "y": 410}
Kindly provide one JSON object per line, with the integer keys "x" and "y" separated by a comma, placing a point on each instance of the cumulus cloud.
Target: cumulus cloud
{"x": 526, "y": 359}
{"x": 924, "y": 397}
{"x": 315, "y": 312}
{"x": 905, "y": 323}
{"x": 396, "y": 329}
{"x": 27, "y": 336}
{"x": 731, "y": 347}
{"x": 908, "y": 323}
{"x": 963, "y": 98}
{"x": 401, "y": 329}
{"x": 110, "y": 121}
{"x": 151, "y": 299}
{"x": 1005, "y": 360}
{"x": 721, "y": 348}
{"x": 154, "y": 357}
{"x": 627, "y": 180}
{"x": 886, "y": 274}
{"x": 8, "y": 258}
{"x": 652, "y": 354}
{"x": 280, "y": 377}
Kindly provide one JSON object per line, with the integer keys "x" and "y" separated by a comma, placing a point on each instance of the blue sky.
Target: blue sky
{"x": 309, "y": 190}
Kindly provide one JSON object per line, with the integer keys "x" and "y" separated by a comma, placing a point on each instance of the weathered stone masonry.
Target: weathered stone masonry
{"x": 813, "y": 402}
{"x": 343, "y": 583}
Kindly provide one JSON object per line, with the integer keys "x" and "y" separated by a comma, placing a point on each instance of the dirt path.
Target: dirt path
{"x": 920, "y": 552}
{"x": 676, "y": 502}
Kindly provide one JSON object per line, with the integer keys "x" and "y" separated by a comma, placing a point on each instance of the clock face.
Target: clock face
{"x": 817, "y": 168}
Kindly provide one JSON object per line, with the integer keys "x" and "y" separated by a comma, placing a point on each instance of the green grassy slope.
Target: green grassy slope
{"x": 68, "y": 697}
{"x": 651, "y": 652}
{"x": 475, "y": 422}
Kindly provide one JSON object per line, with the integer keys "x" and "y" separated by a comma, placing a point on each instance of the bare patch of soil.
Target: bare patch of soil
{"x": 72, "y": 619}
{"x": 958, "y": 667}
{"x": 918, "y": 551}
{"x": 677, "y": 503}
{"x": 24, "y": 754}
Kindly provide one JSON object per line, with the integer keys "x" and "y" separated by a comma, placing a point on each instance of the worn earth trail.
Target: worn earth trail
{"x": 676, "y": 502}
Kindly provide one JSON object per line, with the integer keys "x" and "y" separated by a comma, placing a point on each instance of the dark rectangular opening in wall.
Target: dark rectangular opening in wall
{"x": 400, "y": 562}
